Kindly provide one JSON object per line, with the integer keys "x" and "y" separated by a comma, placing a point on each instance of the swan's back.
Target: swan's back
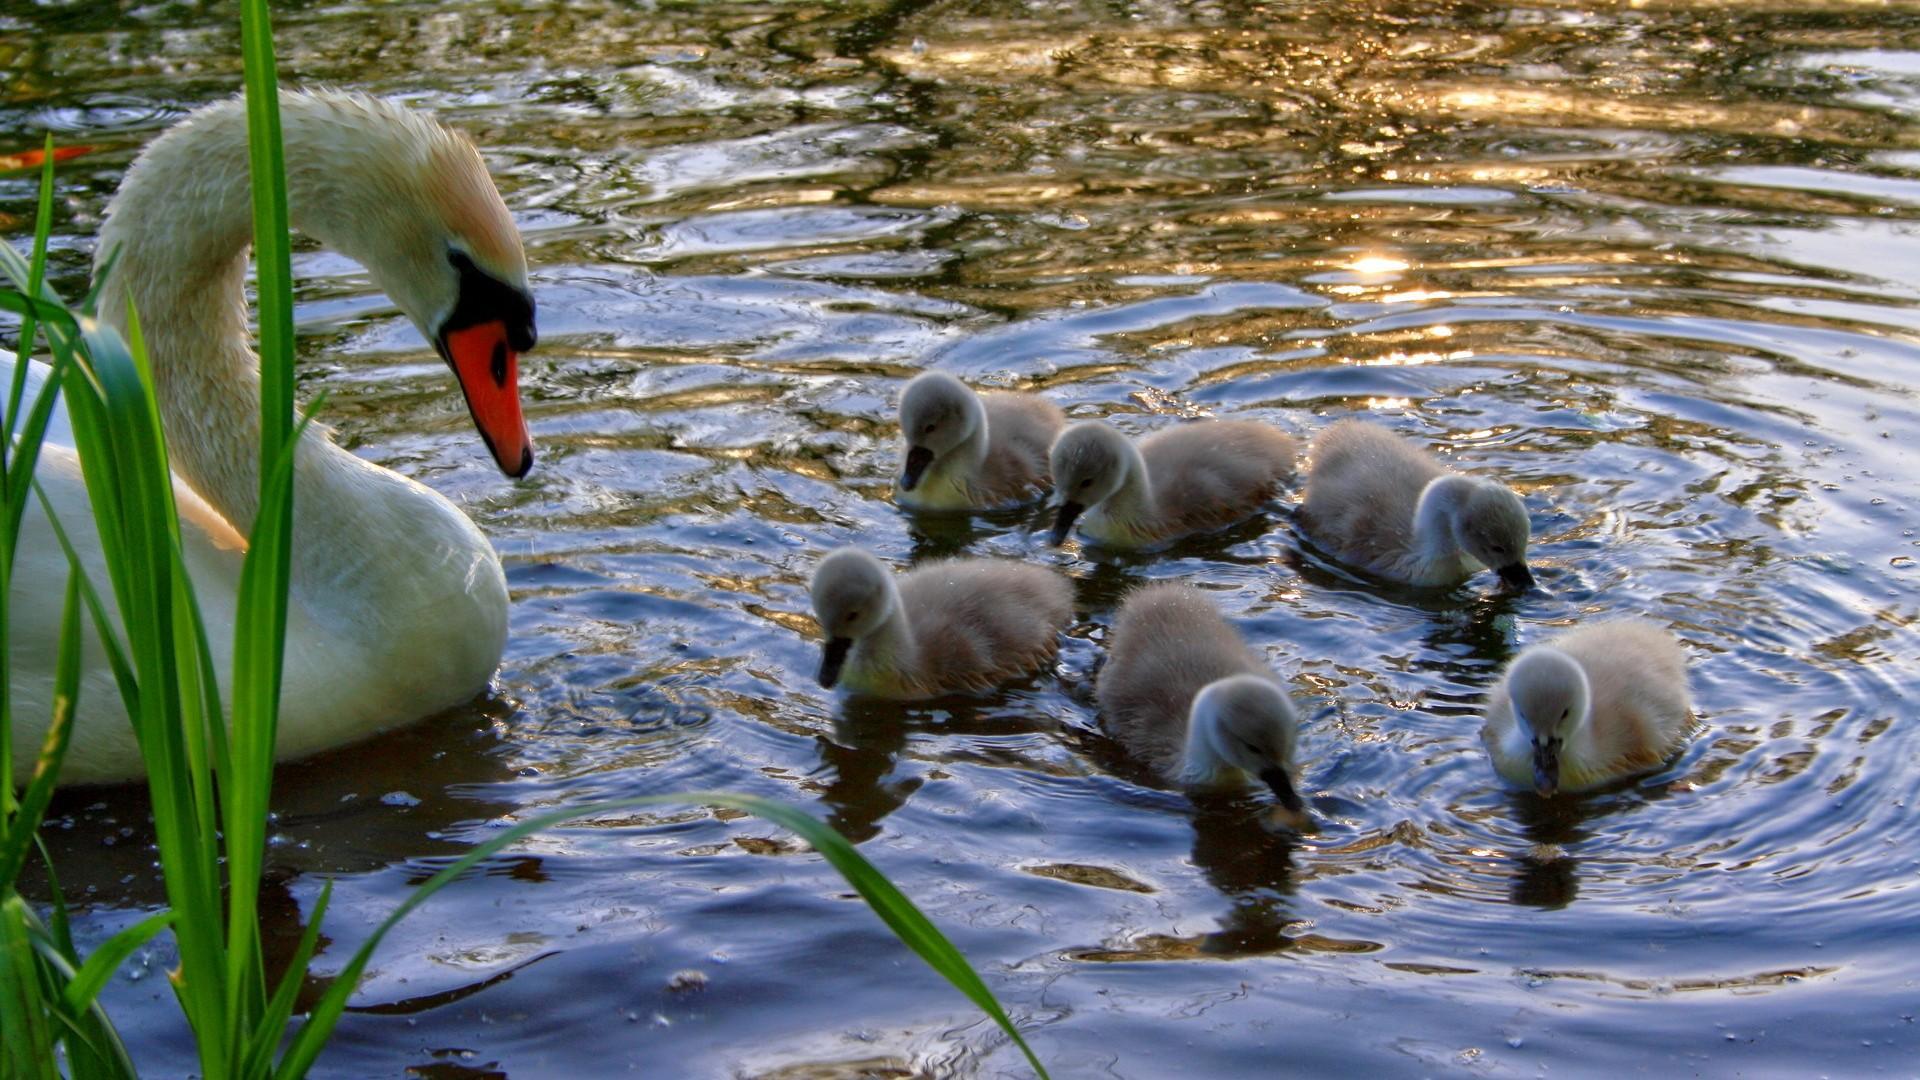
{"x": 1167, "y": 642}
{"x": 1212, "y": 473}
{"x": 1020, "y": 430}
{"x": 102, "y": 746}
{"x": 1637, "y": 674}
{"x": 1363, "y": 485}
{"x": 59, "y": 430}
{"x": 980, "y": 622}
{"x": 1641, "y": 715}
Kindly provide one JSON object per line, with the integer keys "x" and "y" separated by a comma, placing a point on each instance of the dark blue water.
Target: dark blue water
{"x": 1655, "y": 265}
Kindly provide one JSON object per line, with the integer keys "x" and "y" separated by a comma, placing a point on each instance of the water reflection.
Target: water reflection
{"x": 1652, "y": 263}
{"x": 1252, "y": 866}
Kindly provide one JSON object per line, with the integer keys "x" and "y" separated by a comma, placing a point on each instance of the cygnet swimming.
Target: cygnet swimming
{"x": 1183, "y": 693}
{"x": 1190, "y": 478}
{"x": 1592, "y": 706}
{"x": 958, "y": 625}
{"x": 1379, "y": 503}
{"x": 970, "y": 451}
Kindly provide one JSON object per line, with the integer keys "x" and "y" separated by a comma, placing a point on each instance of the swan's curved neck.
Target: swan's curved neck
{"x": 1436, "y": 544}
{"x": 1201, "y": 764}
{"x": 892, "y": 647}
{"x": 971, "y": 454}
{"x": 959, "y": 467}
{"x": 373, "y": 552}
{"x": 1132, "y": 506}
{"x": 175, "y": 247}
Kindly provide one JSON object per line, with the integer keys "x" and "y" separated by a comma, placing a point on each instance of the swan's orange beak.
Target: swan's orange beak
{"x": 484, "y": 361}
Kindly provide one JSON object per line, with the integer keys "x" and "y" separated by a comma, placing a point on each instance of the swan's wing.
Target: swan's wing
{"x": 59, "y": 430}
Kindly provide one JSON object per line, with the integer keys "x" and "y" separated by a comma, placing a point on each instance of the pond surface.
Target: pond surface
{"x": 1656, "y": 263}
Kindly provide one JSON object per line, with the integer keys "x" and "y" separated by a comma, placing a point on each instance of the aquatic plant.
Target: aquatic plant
{"x": 209, "y": 767}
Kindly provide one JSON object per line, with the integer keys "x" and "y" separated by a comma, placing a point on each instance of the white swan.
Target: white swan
{"x": 398, "y": 606}
{"x": 1592, "y": 706}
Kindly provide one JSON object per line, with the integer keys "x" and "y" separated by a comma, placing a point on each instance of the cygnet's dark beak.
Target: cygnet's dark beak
{"x": 918, "y": 458}
{"x": 1546, "y": 767}
{"x": 832, "y": 659}
{"x": 1516, "y": 576}
{"x": 1292, "y": 814}
{"x": 1070, "y": 512}
{"x": 1282, "y": 785}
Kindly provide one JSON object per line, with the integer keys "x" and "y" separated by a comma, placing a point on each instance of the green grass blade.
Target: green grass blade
{"x": 130, "y": 487}
{"x": 27, "y": 1051}
{"x": 260, "y": 630}
{"x": 36, "y": 274}
{"x": 35, "y": 433}
{"x": 66, "y": 693}
{"x": 89, "y": 304}
{"x": 94, "y": 1049}
{"x": 272, "y": 1029}
{"x": 272, "y": 231}
{"x": 93, "y": 975}
{"x": 58, "y": 927}
{"x": 888, "y": 902}
{"x": 109, "y": 635}
{"x": 15, "y": 476}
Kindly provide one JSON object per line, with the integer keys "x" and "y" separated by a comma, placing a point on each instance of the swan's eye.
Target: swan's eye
{"x": 1087, "y": 483}
{"x": 928, "y": 430}
{"x": 849, "y": 617}
{"x": 1566, "y": 712}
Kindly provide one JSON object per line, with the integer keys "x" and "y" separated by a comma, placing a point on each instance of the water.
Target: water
{"x": 1653, "y": 263}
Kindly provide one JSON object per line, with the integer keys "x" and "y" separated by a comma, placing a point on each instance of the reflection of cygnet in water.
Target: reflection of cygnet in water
{"x": 946, "y": 627}
{"x": 1195, "y": 477}
{"x": 1594, "y": 705}
{"x": 1182, "y": 692}
{"x": 968, "y": 451}
{"x": 1379, "y": 503}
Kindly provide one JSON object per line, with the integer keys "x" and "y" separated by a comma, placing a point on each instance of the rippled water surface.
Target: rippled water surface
{"x": 1656, "y": 263}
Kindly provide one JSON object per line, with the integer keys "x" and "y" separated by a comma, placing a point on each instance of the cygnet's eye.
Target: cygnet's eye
{"x": 928, "y": 429}
{"x": 849, "y": 617}
{"x": 1566, "y": 712}
{"x": 1087, "y": 483}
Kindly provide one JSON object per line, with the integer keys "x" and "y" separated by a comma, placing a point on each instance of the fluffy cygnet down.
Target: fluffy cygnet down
{"x": 969, "y": 451}
{"x": 1194, "y": 477}
{"x": 1183, "y": 693}
{"x": 1377, "y": 502}
{"x": 957, "y": 625}
{"x": 1592, "y": 706}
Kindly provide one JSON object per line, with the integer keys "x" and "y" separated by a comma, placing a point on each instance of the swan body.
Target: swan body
{"x": 971, "y": 451}
{"x": 1379, "y": 503}
{"x": 958, "y": 625}
{"x": 1183, "y": 693}
{"x": 1194, "y": 477}
{"x": 1592, "y": 706}
{"x": 397, "y": 604}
